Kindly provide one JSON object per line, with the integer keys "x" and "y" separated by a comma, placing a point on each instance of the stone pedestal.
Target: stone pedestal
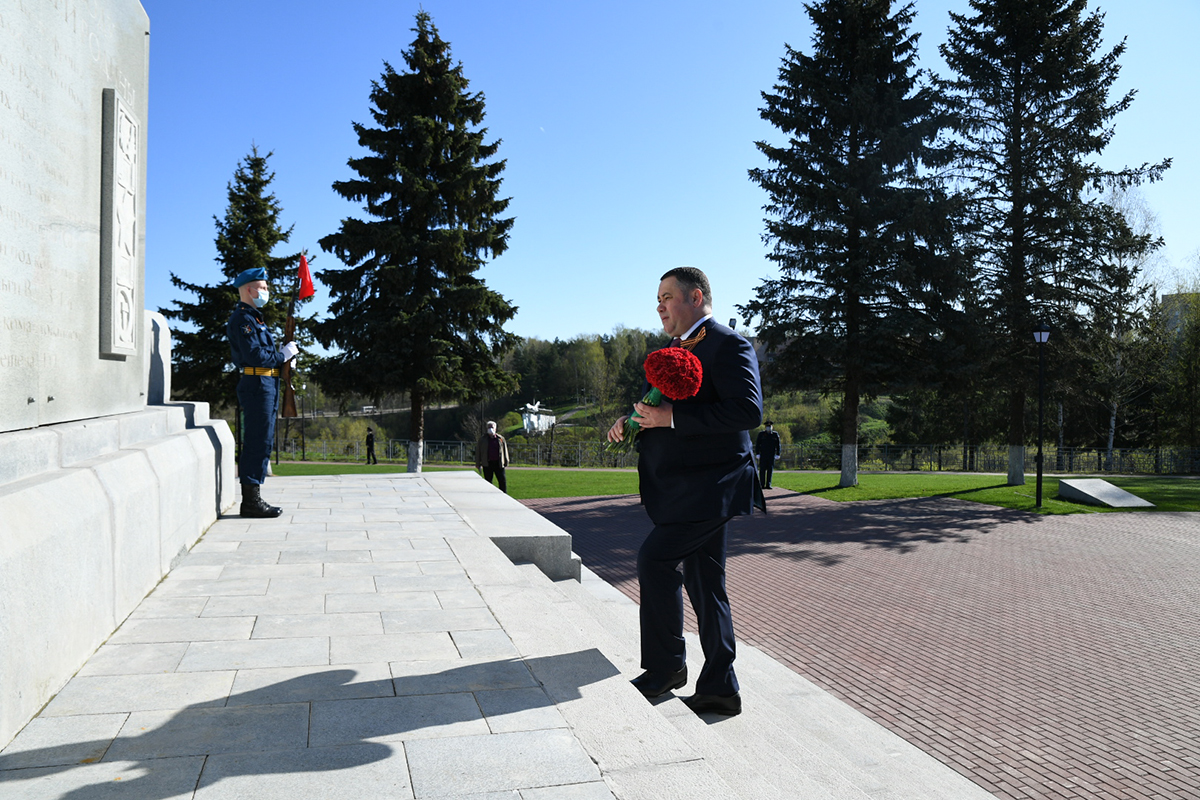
{"x": 93, "y": 515}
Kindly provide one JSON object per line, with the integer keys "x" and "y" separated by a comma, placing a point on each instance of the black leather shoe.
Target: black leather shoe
{"x": 655, "y": 684}
{"x": 729, "y": 706}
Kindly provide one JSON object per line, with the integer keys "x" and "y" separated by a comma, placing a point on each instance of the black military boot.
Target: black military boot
{"x": 254, "y": 506}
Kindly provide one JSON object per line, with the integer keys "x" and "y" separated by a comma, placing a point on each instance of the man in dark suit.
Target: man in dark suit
{"x": 768, "y": 448}
{"x": 696, "y": 473}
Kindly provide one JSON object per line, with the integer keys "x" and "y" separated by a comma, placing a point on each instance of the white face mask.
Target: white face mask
{"x": 263, "y": 297}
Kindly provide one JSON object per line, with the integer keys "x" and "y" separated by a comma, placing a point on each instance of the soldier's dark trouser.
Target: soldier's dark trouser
{"x": 258, "y": 397}
{"x": 766, "y": 468}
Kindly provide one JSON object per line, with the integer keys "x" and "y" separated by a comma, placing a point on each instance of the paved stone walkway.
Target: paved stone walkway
{"x": 1042, "y": 657}
{"x": 375, "y": 642}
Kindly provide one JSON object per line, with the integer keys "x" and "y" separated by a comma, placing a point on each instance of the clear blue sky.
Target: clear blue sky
{"x": 628, "y": 128}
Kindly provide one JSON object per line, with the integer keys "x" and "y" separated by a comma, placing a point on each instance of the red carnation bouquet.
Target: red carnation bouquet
{"x": 673, "y": 373}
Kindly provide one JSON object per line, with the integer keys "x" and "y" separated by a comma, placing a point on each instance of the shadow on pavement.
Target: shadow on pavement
{"x": 308, "y": 730}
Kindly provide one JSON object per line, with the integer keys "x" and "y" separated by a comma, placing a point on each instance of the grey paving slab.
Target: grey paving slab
{"x": 158, "y": 605}
{"x": 463, "y": 598}
{"x": 394, "y": 535}
{"x": 235, "y": 571}
{"x": 297, "y": 625}
{"x": 183, "y": 629}
{"x": 596, "y": 790}
{"x": 383, "y": 553}
{"x": 426, "y": 542}
{"x": 245, "y": 533}
{"x": 372, "y": 569}
{"x": 188, "y": 588}
{"x": 447, "y": 567}
{"x": 393, "y": 719}
{"x": 332, "y": 534}
{"x": 378, "y": 601}
{"x": 267, "y": 555}
{"x": 422, "y": 583}
{"x": 325, "y": 557}
{"x": 107, "y": 694}
{"x": 200, "y": 731}
{"x": 255, "y": 654}
{"x": 444, "y": 677}
{"x": 294, "y": 586}
{"x": 214, "y": 546}
{"x": 484, "y": 644}
{"x": 384, "y": 545}
{"x": 506, "y": 761}
{"x": 399, "y": 647}
{"x": 441, "y": 619}
{"x": 254, "y": 605}
{"x": 354, "y": 772}
{"x": 57, "y": 741}
{"x": 509, "y": 710}
{"x": 197, "y": 573}
{"x": 305, "y": 684}
{"x": 279, "y": 548}
{"x": 160, "y": 779}
{"x": 135, "y": 659}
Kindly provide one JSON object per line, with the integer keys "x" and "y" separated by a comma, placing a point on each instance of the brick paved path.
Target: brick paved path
{"x": 1051, "y": 657}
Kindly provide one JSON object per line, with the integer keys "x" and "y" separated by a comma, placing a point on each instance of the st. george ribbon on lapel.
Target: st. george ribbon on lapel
{"x": 690, "y": 344}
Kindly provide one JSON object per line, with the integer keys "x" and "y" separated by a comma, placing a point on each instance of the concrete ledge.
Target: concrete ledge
{"x": 94, "y": 513}
{"x": 523, "y": 535}
{"x": 1097, "y": 492}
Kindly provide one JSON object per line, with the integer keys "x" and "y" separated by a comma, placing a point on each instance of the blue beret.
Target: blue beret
{"x": 249, "y": 276}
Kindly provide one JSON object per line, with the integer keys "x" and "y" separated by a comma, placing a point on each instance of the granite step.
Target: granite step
{"x": 793, "y": 739}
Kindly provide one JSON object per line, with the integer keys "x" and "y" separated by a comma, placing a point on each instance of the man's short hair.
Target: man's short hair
{"x": 491, "y": 424}
{"x": 690, "y": 278}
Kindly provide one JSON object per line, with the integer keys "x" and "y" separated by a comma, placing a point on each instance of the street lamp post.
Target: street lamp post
{"x": 1041, "y": 336}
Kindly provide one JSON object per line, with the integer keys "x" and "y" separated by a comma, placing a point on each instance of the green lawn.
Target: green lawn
{"x": 1167, "y": 493}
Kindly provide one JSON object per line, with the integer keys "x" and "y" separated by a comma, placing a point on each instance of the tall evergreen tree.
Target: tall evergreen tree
{"x": 862, "y": 236}
{"x": 246, "y": 237}
{"x": 1032, "y": 104}
{"x": 408, "y": 311}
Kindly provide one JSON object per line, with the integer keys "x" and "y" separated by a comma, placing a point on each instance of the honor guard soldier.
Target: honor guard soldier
{"x": 258, "y": 361}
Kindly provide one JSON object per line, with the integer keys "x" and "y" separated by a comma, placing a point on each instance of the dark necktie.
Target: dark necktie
{"x": 676, "y": 342}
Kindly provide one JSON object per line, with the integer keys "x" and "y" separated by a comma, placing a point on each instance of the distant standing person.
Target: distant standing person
{"x": 258, "y": 361}
{"x": 491, "y": 456}
{"x": 769, "y": 448}
{"x": 371, "y": 459}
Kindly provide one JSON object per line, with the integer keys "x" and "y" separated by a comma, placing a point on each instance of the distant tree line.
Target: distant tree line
{"x": 923, "y": 227}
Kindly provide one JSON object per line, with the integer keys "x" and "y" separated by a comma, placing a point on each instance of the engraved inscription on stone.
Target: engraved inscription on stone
{"x": 118, "y": 229}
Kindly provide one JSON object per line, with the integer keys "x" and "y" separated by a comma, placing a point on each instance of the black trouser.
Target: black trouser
{"x": 700, "y": 548}
{"x": 371, "y": 459}
{"x": 257, "y": 395}
{"x": 766, "y": 467}
{"x": 495, "y": 467}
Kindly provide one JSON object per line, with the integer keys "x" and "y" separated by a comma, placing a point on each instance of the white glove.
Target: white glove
{"x": 289, "y": 351}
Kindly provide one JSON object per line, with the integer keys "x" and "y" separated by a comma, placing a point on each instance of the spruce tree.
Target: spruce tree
{"x": 1032, "y": 106}
{"x": 246, "y": 237}
{"x": 408, "y": 312}
{"x": 861, "y": 233}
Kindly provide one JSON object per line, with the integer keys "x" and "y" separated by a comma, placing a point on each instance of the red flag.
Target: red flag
{"x": 306, "y": 284}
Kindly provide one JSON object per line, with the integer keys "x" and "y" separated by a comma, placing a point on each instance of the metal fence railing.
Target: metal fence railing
{"x": 871, "y": 458}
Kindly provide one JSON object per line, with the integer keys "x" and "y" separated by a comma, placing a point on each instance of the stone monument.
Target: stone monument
{"x": 103, "y": 481}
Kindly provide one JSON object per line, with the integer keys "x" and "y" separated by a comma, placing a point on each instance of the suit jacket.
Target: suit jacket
{"x": 481, "y": 451}
{"x": 702, "y": 468}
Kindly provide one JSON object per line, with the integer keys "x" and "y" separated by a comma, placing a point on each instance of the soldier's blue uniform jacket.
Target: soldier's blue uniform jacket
{"x": 251, "y": 345}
